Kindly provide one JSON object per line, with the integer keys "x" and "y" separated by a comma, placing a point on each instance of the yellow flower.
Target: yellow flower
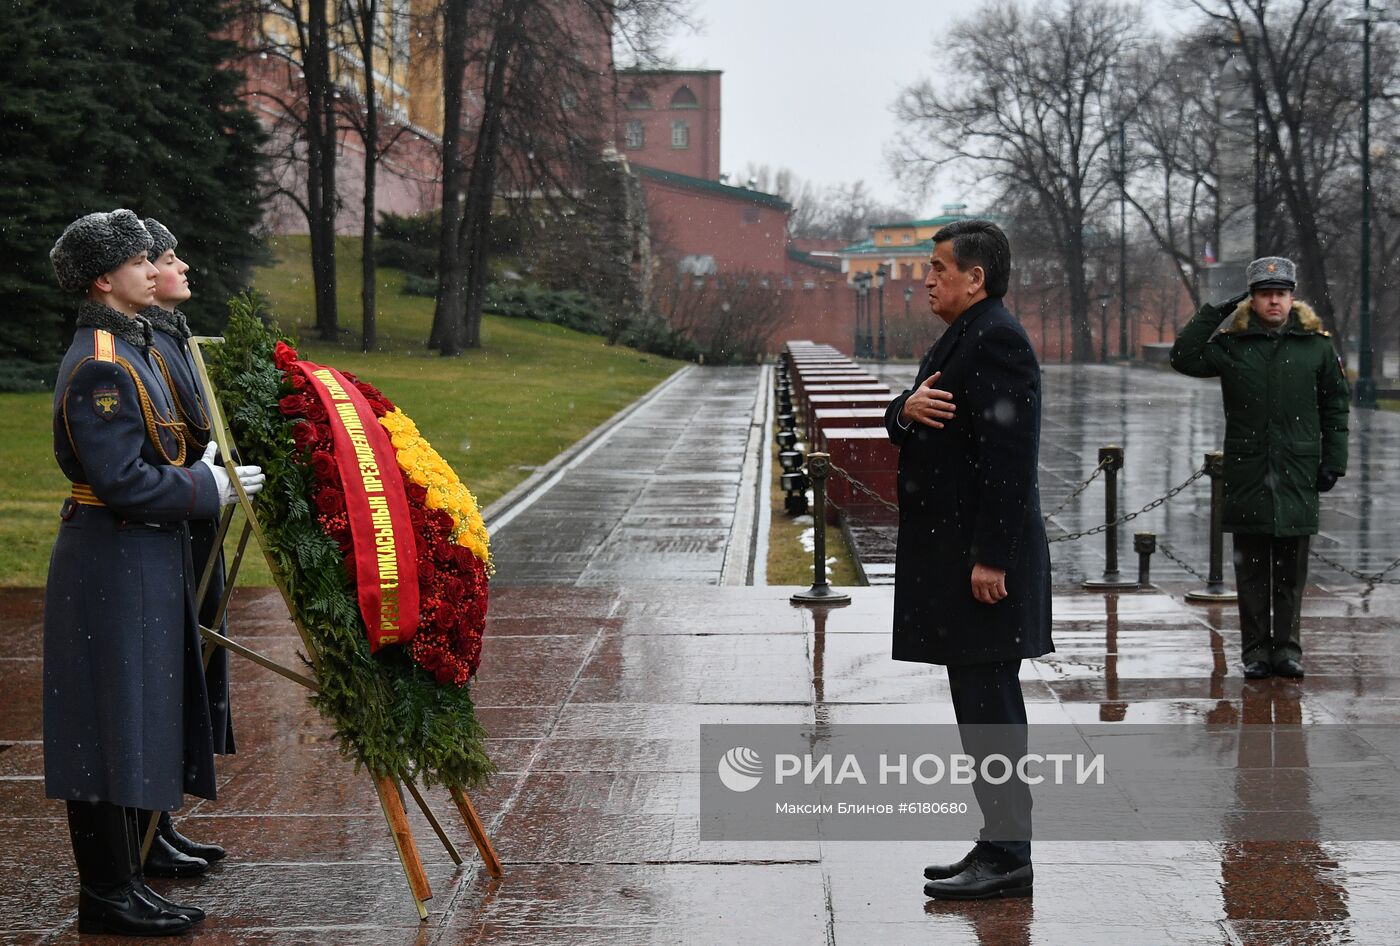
{"x": 423, "y": 466}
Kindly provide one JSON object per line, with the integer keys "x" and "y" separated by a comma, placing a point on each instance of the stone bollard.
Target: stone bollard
{"x": 1111, "y": 458}
{"x": 1144, "y": 544}
{"x": 787, "y": 439}
{"x": 818, "y": 467}
{"x": 1215, "y": 590}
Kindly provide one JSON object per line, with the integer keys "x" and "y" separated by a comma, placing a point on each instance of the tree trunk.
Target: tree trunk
{"x": 321, "y": 148}
{"x": 451, "y": 290}
{"x": 371, "y": 142}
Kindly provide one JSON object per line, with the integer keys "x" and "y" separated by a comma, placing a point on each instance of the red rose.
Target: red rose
{"x": 323, "y": 433}
{"x": 378, "y": 407}
{"x": 324, "y": 466}
{"x": 293, "y": 405}
{"x": 284, "y": 356}
{"x": 349, "y": 377}
{"x": 297, "y": 380}
{"x": 442, "y": 552}
{"x": 329, "y": 501}
{"x": 314, "y": 409}
{"x": 427, "y": 571}
{"x": 440, "y": 520}
{"x": 417, "y": 495}
{"x": 304, "y": 434}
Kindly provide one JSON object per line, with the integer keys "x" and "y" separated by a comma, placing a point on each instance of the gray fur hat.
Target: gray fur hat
{"x": 162, "y": 239}
{"x": 1272, "y": 272}
{"x": 95, "y": 244}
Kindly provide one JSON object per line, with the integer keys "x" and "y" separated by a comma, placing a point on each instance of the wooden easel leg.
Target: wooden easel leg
{"x": 148, "y": 837}
{"x": 403, "y": 839}
{"x": 478, "y": 833}
{"x": 432, "y": 820}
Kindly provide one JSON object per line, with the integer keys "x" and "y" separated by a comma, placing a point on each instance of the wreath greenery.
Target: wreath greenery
{"x": 391, "y": 715}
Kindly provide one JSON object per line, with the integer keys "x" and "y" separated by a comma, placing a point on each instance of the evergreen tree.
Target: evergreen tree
{"x": 127, "y": 104}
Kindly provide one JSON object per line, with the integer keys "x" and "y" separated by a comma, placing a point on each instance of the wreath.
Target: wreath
{"x": 401, "y": 708}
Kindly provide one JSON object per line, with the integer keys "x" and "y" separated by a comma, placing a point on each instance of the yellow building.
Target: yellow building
{"x": 903, "y": 247}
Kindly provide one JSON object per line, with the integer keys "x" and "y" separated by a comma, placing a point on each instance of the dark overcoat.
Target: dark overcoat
{"x": 1286, "y": 405}
{"x": 968, "y": 494}
{"x": 170, "y": 341}
{"x": 126, "y": 715}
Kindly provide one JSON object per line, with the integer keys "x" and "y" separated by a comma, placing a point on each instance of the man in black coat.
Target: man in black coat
{"x": 972, "y": 567}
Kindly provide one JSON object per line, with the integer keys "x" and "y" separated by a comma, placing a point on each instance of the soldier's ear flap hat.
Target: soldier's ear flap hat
{"x": 95, "y": 244}
{"x": 1272, "y": 272}
{"x": 161, "y": 239}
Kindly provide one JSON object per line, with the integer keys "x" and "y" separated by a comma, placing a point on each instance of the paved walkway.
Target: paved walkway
{"x": 1165, "y": 423}
{"x": 593, "y": 698}
{"x": 668, "y": 493}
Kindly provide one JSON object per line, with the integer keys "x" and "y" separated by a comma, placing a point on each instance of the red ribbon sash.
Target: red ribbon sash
{"x": 386, "y": 553}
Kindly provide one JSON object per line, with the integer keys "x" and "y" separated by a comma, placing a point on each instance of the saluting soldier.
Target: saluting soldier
{"x": 172, "y": 854}
{"x": 126, "y": 714}
{"x": 1285, "y": 441}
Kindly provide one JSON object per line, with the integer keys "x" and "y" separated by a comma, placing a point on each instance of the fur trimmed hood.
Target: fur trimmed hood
{"x": 1308, "y": 320}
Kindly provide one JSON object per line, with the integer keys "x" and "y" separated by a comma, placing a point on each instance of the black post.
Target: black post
{"x": 1144, "y": 544}
{"x": 818, "y": 467}
{"x": 1215, "y": 590}
{"x": 1365, "y": 380}
{"x": 1111, "y": 457}
{"x": 881, "y": 274}
{"x": 855, "y": 294}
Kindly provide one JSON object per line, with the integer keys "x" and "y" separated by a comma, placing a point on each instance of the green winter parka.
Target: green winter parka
{"x": 1285, "y": 412}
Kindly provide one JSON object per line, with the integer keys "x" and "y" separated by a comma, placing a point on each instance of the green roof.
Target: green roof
{"x": 820, "y": 262}
{"x": 870, "y": 248}
{"x": 713, "y": 187}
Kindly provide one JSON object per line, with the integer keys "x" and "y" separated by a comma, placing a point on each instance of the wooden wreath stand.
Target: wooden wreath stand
{"x": 389, "y": 788}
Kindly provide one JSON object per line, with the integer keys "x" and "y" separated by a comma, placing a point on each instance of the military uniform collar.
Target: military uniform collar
{"x": 135, "y": 331}
{"x": 170, "y": 322}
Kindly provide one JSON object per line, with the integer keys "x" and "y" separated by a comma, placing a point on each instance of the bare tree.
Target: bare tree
{"x": 1301, "y": 62}
{"x": 1037, "y": 101}
{"x": 297, "y": 84}
{"x": 730, "y": 319}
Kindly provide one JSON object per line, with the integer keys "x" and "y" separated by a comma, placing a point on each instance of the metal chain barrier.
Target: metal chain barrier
{"x": 860, "y": 487}
{"x": 1129, "y": 517}
{"x": 1377, "y": 579}
{"x": 1186, "y": 566}
{"x": 1103, "y": 465}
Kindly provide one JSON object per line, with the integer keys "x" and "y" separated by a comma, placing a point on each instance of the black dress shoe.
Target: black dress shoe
{"x": 1288, "y": 667}
{"x": 1257, "y": 670}
{"x": 944, "y": 871}
{"x": 126, "y": 912}
{"x": 210, "y": 852}
{"x": 195, "y": 914}
{"x": 165, "y": 861}
{"x": 982, "y": 880}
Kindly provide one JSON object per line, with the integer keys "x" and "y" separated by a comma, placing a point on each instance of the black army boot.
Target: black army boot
{"x": 111, "y": 898}
{"x": 164, "y": 859}
{"x": 134, "y": 838}
{"x": 209, "y": 852}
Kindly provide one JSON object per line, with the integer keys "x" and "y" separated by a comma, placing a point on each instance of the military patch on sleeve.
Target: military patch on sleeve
{"x": 106, "y": 402}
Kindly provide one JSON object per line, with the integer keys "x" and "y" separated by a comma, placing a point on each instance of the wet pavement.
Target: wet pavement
{"x": 593, "y": 698}
{"x": 668, "y": 493}
{"x": 596, "y": 679}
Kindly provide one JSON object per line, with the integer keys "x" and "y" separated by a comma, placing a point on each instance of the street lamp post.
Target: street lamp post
{"x": 908, "y": 326}
{"x": 858, "y": 286}
{"x": 881, "y": 272}
{"x": 1123, "y": 240}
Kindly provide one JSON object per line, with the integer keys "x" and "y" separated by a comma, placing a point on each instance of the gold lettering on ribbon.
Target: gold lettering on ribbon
{"x": 385, "y": 544}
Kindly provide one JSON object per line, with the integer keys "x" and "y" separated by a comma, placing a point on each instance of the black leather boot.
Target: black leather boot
{"x": 209, "y": 852}
{"x": 164, "y": 861}
{"x": 134, "y": 819}
{"x": 111, "y": 897}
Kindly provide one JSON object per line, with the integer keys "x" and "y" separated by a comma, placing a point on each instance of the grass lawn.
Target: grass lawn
{"x": 790, "y": 557}
{"x": 494, "y": 414}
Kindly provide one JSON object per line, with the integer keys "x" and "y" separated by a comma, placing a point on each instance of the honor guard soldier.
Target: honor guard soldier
{"x": 1285, "y": 441}
{"x": 172, "y": 854}
{"x": 126, "y": 714}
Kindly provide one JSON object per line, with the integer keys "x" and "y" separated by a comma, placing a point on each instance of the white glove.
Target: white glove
{"x": 250, "y": 477}
{"x": 227, "y": 497}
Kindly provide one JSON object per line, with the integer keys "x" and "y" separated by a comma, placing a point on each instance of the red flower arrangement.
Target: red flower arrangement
{"x": 452, "y": 581}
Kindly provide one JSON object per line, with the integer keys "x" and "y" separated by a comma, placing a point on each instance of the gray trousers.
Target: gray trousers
{"x": 1270, "y": 574}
